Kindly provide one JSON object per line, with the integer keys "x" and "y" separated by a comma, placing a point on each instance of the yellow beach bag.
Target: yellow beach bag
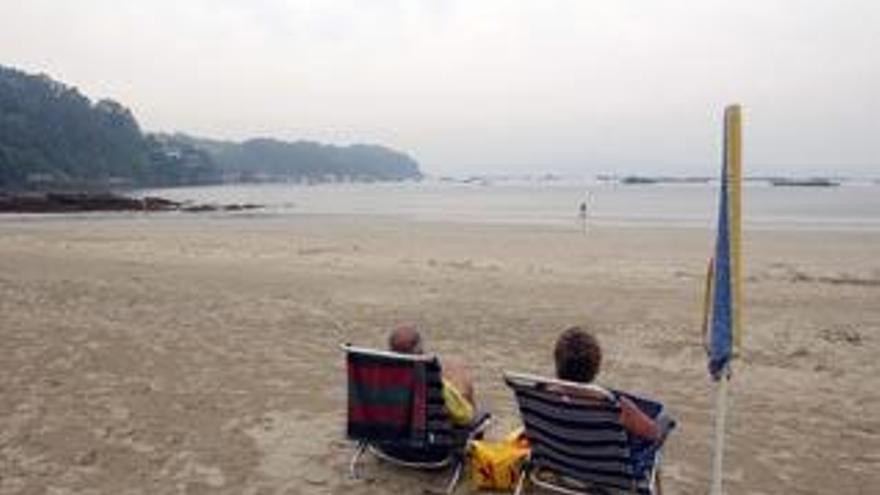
{"x": 496, "y": 465}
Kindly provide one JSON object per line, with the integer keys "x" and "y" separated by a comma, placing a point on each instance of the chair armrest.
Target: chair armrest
{"x": 478, "y": 426}
{"x": 666, "y": 424}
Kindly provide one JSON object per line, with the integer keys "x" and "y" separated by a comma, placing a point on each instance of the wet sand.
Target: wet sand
{"x": 161, "y": 355}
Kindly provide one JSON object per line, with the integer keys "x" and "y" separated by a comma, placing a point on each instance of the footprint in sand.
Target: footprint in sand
{"x": 298, "y": 449}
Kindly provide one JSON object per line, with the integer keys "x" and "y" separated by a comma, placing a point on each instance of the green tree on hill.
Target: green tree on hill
{"x": 52, "y": 136}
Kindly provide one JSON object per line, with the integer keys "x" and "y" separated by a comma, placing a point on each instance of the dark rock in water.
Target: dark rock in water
{"x": 241, "y": 207}
{"x": 152, "y": 203}
{"x": 195, "y": 208}
{"x": 199, "y": 208}
{"x": 90, "y": 202}
{"x": 637, "y": 180}
{"x": 79, "y": 202}
{"x": 811, "y": 182}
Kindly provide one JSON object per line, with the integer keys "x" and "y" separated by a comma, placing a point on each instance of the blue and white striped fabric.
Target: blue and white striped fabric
{"x": 578, "y": 439}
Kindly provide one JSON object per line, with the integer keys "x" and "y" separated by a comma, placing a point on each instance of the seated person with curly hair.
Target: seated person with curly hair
{"x": 578, "y": 358}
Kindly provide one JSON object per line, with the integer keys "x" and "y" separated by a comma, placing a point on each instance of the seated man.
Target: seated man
{"x": 578, "y": 357}
{"x": 458, "y": 388}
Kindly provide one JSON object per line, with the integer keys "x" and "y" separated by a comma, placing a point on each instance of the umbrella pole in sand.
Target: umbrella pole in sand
{"x": 726, "y": 286}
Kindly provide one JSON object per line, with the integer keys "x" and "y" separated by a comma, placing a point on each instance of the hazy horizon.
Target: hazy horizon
{"x": 489, "y": 87}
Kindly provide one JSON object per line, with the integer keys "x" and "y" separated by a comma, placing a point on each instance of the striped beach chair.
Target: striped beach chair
{"x": 577, "y": 442}
{"x": 396, "y": 411}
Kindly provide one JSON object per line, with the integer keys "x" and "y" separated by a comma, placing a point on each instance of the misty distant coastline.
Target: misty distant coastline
{"x": 779, "y": 181}
{"x": 53, "y": 138}
{"x": 486, "y": 180}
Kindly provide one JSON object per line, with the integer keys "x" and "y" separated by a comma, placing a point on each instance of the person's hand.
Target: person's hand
{"x": 666, "y": 424}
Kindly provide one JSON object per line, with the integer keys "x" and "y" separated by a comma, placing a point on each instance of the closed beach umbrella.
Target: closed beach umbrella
{"x": 724, "y": 284}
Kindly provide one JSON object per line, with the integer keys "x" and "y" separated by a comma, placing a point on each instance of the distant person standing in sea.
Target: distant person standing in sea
{"x": 582, "y": 214}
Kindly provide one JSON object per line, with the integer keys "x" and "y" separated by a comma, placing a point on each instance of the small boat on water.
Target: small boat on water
{"x": 812, "y": 182}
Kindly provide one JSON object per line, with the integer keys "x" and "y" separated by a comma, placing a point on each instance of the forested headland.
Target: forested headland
{"x": 52, "y": 137}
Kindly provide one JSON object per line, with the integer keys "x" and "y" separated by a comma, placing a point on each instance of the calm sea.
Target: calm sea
{"x": 850, "y": 206}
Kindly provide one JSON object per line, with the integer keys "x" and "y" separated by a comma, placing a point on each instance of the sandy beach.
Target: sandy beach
{"x": 160, "y": 355}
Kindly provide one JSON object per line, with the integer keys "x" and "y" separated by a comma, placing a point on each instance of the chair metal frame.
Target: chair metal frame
{"x": 456, "y": 457}
{"x": 528, "y": 471}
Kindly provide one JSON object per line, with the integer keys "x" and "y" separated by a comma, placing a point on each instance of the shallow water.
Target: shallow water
{"x": 848, "y": 207}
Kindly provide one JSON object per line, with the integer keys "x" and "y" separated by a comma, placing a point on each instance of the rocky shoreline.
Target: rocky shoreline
{"x": 93, "y": 202}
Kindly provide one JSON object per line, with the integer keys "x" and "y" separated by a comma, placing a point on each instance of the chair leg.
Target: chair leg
{"x": 456, "y": 474}
{"x": 352, "y": 466}
{"x": 520, "y": 482}
{"x": 655, "y": 486}
{"x": 658, "y": 486}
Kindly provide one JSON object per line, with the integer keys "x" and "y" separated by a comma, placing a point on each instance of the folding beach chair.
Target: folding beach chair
{"x": 396, "y": 411}
{"x": 578, "y": 444}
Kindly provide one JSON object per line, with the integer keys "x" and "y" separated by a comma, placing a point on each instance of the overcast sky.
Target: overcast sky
{"x": 579, "y": 86}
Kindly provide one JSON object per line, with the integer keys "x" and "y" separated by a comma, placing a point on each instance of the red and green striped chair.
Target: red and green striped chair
{"x": 396, "y": 411}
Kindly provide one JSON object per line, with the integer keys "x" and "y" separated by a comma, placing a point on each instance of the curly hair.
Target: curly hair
{"x": 578, "y": 356}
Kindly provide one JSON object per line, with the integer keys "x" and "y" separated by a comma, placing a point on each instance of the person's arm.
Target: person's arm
{"x": 461, "y": 411}
{"x": 636, "y": 421}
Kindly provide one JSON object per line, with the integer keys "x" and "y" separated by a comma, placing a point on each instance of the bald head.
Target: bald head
{"x": 405, "y": 339}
